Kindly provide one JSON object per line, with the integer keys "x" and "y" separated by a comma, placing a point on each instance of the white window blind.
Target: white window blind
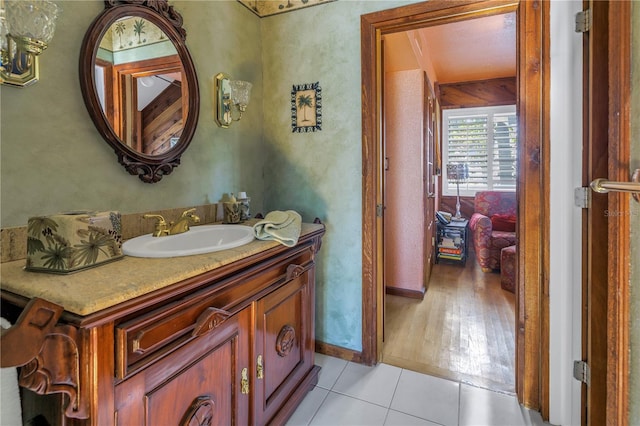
{"x": 485, "y": 139}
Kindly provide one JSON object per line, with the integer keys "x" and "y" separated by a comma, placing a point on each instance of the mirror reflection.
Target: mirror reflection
{"x": 139, "y": 83}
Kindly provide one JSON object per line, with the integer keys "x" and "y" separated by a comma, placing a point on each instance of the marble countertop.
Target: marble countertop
{"x": 91, "y": 290}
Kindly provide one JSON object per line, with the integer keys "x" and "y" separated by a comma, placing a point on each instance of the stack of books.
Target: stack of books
{"x": 450, "y": 244}
{"x": 443, "y": 217}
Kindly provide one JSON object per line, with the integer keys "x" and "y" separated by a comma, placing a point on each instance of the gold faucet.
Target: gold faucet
{"x": 182, "y": 225}
{"x": 161, "y": 225}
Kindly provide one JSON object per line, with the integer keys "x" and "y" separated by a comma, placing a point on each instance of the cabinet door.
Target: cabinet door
{"x": 284, "y": 345}
{"x": 199, "y": 384}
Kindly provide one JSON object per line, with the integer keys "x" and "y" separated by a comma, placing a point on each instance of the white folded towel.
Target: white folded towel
{"x": 10, "y": 408}
{"x": 281, "y": 226}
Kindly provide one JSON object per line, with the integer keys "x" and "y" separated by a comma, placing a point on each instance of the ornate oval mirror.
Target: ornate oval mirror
{"x": 140, "y": 86}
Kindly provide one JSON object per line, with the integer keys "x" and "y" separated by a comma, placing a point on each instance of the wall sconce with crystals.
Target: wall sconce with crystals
{"x": 232, "y": 98}
{"x": 26, "y": 28}
{"x": 457, "y": 172}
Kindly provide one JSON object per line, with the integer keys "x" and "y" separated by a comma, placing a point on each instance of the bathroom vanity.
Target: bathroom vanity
{"x": 216, "y": 339}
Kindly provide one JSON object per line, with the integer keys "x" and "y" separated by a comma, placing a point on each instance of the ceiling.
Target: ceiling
{"x": 477, "y": 49}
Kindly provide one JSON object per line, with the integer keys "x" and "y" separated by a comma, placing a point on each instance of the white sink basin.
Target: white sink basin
{"x": 197, "y": 240}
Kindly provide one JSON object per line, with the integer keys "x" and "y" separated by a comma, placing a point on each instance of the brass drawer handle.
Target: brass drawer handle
{"x": 136, "y": 344}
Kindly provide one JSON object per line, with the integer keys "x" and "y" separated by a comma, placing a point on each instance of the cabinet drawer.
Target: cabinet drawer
{"x": 180, "y": 389}
{"x": 155, "y": 333}
{"x": 141, "y": 340}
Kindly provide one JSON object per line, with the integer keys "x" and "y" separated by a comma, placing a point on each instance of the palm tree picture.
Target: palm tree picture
{"x": 306, "y": 108}
{"x": 305, "y": 101}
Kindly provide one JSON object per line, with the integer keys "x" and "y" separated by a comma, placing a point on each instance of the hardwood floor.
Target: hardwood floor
{"x": 463, "y": 329}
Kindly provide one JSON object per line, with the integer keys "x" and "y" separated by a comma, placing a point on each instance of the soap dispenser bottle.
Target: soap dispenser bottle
{"x": 244, "y": 205}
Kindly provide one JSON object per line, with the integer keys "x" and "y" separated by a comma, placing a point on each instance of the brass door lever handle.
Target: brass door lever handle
{"x": 603, "y": 186}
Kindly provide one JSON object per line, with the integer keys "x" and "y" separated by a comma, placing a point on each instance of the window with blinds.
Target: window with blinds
{"x": 486, "y": 140}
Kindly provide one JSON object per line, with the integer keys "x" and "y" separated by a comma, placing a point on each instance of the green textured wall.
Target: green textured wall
{"x": 634, "y": 393}
{"x": 320, "y": 174}
{"x": 53, "y": 159}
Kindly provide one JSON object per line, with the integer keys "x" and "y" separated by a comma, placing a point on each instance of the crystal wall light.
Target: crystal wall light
{"x": 26, "y": 28}
{"x": 230, "y": 95}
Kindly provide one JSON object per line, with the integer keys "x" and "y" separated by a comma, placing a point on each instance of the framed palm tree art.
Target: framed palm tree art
{"x": 306, "y": 108}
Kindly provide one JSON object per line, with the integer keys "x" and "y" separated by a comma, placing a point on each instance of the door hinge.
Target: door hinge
{"x": 379, "y": 210}
{"x": 582, "y": 372}
{"x": 582, "y": 197}
{"x": 583, "y": 21}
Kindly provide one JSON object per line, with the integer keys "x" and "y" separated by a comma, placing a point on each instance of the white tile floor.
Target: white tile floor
{"x": 352, "y": 394}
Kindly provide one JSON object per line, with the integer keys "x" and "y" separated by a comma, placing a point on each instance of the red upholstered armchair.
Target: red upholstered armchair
{"x": 492, "y": 226}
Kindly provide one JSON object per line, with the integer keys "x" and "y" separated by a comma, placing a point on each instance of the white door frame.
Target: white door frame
{"x": 565, "y": 245}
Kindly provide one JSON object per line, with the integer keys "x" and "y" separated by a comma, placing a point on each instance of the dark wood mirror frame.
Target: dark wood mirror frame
{"x": 149, "y": 168}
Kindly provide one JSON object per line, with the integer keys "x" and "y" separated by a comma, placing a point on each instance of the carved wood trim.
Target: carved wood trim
{"x": 56, "y": 369}
{"x": 285, "y": 340}
{"x": 200, "y": 413}
{"x": 37, "y": 320}
{"x": 208, "y": 320}
{"x": 49, "y": 355}
{"x": 294, "y": 271}
{"x": 148, "y": 173}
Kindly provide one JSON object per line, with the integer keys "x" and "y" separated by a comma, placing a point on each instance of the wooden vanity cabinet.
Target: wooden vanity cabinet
{"x": 199, "y": 384}
{"x": 284, "y": 347}
{"x": 232, "y": 346}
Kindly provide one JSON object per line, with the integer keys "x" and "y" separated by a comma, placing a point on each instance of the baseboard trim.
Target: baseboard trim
{"x": 413, "y": 294}
{"x": 338, "y": 352}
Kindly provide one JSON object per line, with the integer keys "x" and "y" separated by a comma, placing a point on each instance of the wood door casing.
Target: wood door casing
{"x": 533, "y": 173}
{"x": 619, "y": 230}
{"x": 606, "y": 223}
{"x": 595, "y": 161}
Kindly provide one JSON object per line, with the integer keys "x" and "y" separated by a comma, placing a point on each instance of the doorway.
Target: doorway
{"x": 530, "y": 336}
{"x": 452, "y": 321}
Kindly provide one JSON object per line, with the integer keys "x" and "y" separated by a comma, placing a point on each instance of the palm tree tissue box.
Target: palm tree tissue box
{"x": 69, "y": 242}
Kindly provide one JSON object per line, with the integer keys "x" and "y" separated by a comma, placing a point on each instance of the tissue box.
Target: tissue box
{"x": 68, "y": 242}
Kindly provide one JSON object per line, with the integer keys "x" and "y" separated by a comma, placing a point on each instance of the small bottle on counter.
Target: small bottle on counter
{"x": 232, "y": 212}
{"x": 244, "y": 201}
